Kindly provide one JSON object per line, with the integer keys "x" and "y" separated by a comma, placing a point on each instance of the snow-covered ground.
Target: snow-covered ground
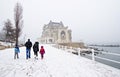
{"x": 56, "y": 63}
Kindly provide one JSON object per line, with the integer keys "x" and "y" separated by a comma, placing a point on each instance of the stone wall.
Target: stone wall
{"x": 74, "y": 44}
{"x": 2, "y": 47}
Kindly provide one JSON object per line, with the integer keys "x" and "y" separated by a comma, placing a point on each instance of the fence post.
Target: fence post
{"x": 79, "y": 51}
{"x": 62, "y": 47}
{"x": 58, "y": 46}
{"x": 93, "y": 56}
{"x": 71, "y": 49}
{"x": 65, "y": 47}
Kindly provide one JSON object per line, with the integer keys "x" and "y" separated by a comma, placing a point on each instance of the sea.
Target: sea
{"x": 108, "y": 56}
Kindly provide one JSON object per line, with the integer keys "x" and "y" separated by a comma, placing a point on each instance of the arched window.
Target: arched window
{"x": 63, "y": 35}
{"x": 50, "y": 40}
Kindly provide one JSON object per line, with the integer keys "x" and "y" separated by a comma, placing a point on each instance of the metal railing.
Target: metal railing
{"x": 79, "y": 51}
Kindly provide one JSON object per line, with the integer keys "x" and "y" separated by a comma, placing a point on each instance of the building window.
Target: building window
{"x": 63, "y": 35}
{"x": 50, "y": 40}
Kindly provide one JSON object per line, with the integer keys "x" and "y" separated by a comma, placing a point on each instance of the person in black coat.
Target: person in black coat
{"x": 36, "y": 49}
{"x": 28, "y": 46}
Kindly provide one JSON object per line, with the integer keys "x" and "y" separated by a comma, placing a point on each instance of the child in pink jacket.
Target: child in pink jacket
{"x": 42, "y": 52}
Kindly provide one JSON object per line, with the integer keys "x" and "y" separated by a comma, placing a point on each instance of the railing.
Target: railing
{"x": 79, "y": 51}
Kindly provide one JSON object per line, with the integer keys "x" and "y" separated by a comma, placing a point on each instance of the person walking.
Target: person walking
{"x": 17, "y": 50}
{"x": 28, "y": 46}
{"x": 36, "y": 49}
{"x": 42, "y": 52}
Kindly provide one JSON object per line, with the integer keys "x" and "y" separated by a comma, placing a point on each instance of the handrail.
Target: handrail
{"x": 106, "y": 59}
{"x": 93, "y": 57}
{"x": 117, "y": 54}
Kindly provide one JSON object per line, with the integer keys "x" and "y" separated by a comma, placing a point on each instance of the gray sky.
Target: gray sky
{"x": 91, "y": 21}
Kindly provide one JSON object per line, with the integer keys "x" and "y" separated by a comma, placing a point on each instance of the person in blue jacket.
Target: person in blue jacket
{"x": 17, "y": 50}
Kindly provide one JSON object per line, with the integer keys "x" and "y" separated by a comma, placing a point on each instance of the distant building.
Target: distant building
{"x": 55, "y": 32}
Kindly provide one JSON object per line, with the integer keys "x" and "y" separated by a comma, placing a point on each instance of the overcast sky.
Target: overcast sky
{"x": 91, "y": 21}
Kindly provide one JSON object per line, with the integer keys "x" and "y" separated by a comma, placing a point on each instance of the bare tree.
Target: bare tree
{"x": 9, "y": 31}
{"x": 2, "y": 36}
{"x": 18, "y": 20}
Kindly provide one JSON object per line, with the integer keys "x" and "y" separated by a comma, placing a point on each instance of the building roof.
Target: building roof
{"x": 55, "y": 24}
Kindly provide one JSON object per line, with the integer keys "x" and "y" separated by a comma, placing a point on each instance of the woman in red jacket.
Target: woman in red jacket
{"x": 42, "y": 51}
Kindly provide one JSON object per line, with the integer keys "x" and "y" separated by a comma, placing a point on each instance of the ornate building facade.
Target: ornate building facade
{"x": 55, "y": 32}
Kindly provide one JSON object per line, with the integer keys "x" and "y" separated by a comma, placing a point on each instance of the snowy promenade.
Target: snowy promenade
{"x": 56, "y": 63}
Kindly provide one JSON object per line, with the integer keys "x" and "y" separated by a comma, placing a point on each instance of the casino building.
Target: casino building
{"x": 55, "y": 32}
